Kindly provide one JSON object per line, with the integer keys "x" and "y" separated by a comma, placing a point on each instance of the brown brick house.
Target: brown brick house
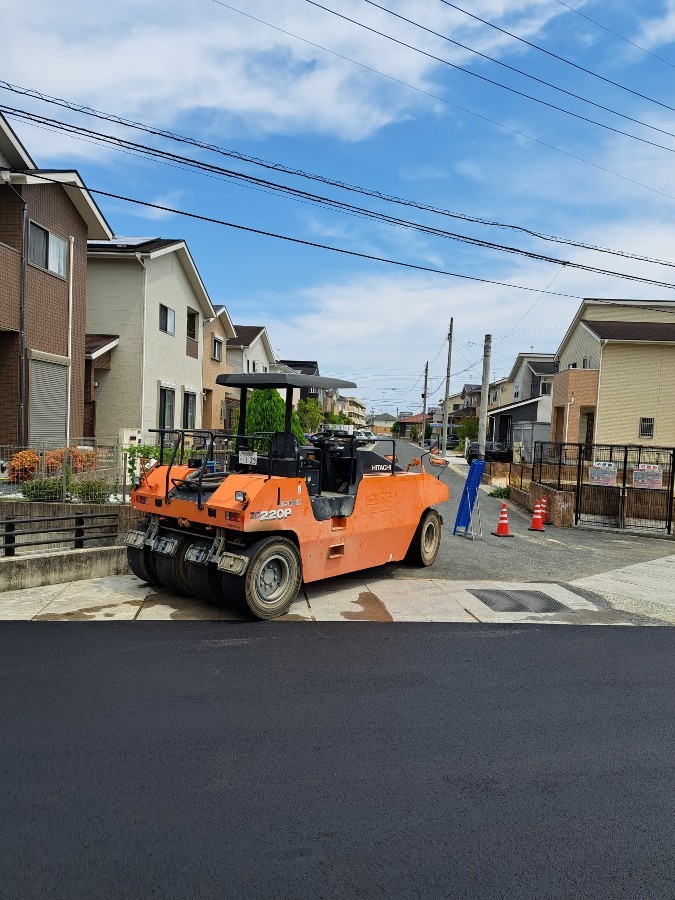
{"x": 45, "y": 220}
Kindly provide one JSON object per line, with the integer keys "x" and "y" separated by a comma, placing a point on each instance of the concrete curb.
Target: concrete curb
{"x": 20, "y": 572}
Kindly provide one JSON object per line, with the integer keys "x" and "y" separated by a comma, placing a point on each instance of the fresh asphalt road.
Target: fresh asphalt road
{"x": 560, "y": 554}
{"x": 204, "y": 760}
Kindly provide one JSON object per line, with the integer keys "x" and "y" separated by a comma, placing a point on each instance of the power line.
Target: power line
{"x": 328, "y": 202}
{"x": 615, "y": 33}
{"x": 511, "y": 68}
{"x": 558, "y": 57}
{"x": 289, "y": 238}
{"x": 465, "y": 109}
{"x": 333, "y": 182}
{"x": 484, "y": 78}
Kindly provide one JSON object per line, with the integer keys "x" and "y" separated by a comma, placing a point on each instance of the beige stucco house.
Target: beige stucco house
{"x": 147, "y": 292}
{"x": 355, "y": 411}
{"x": 216, "y": 410}
{"x": 616, "y": 379}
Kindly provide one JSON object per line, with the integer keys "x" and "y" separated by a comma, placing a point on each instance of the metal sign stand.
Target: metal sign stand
{"x": 469, "y": 503}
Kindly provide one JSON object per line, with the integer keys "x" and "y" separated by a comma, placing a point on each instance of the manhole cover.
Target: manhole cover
{"x": 518, "y": 601}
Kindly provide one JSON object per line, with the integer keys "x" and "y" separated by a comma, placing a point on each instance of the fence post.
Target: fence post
{"x": 671, "y": 491}
{"x": 64, "y": 476}
{"x": 10, "y": 540}
{"x": 79, "y": 532}
{"x": 624, "y": 499}
{"x": 580, "y": 478}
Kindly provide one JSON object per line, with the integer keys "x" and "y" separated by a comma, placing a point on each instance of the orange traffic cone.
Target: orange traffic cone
{"x": 537, "y": 524}
{"x": 544, "y": 511}
{"x": 503, "y": 524}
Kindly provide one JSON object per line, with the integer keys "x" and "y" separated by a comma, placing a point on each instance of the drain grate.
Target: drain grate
{"x": 499, "y": 600}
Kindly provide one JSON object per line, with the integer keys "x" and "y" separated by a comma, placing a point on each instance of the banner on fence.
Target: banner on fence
{"x": 602, "y": 473}
{"x": 648, "y": 476}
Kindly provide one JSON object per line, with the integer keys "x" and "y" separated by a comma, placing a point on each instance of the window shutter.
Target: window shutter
{"x": 47, "y": 397}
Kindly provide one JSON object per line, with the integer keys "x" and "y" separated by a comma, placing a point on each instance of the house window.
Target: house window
{"x": 248, "y": 365}
{"x": 545, "y": 388}
{"x": 192, "y": 324}
{"x": 189, "y": 410}
{"x": 46, "y": 250}
{"x": 587, "y": 362}
{"x": 167, "y": 319}
{"x": 516, "y": 391}
{"x": 167, "y": 404}
{"x": 217, "y": 349}
{"x": 646, "y": 428}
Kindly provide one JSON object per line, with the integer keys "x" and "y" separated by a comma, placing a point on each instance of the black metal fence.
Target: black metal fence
{"x": 18, "y": 535}
{"x": 616, "y": 486}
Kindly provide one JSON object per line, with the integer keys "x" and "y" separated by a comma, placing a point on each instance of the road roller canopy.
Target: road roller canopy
{"x": 283, "y": 380}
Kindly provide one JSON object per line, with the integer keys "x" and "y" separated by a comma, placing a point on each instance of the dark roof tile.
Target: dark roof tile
{"x": 652, "y": 332}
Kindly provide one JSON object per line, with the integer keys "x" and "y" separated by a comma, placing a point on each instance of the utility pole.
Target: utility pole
{"x": 424, "y": 410}
{"x": 485, "y": 389}
{"x": 444, "y": 436}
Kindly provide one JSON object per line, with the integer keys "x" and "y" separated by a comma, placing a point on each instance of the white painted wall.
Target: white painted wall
{"x": 115, "y": 291}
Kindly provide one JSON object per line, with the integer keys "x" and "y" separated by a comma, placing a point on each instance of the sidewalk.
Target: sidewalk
{"x": 643, "y": 591}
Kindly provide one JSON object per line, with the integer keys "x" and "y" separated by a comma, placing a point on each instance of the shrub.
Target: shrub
{"x": 78, "y": 460}
{"x": 43, "y": 489}
{"x": 89, "y": 489}
{"x": 502, "y": 492}
{"x": 23, "y": 465}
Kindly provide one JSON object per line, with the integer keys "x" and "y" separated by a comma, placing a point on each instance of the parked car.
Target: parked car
{"x": 365, "y": 436}
{"x": 494, "y": 452}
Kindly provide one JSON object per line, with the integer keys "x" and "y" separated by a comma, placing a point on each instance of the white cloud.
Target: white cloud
{"x": 182, "y": 59}
{"x": 659, "y": 30}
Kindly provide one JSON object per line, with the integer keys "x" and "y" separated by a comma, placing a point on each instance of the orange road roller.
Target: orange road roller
{"x": 243, "y": 520}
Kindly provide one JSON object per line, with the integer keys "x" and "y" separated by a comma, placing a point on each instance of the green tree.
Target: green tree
{"x": 310, "y": 414}
{"x": 468, "y": 429}
{"x": 413, "y": 433}
{"x": 266, "y": 411}
{"x": 395, "y": 429}
{"x": 337, "y": 419}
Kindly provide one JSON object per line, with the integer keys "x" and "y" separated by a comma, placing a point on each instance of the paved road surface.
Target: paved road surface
{"x": 375, "y": 761}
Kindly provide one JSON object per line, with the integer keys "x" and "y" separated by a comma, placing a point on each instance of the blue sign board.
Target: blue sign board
{"x": 469, "y": 495}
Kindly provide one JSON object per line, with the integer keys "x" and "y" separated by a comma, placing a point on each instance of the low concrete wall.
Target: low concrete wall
{"x": 36, "y": 570}
{"x": 560, "y": 504}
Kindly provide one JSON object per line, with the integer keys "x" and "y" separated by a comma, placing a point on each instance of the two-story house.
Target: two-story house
{"x": 148, "y": 292}
{"x": 527, "y": 418}
{"x": 470, "y": 399}
{"x": 616, "y": 378}
{"x": 250, "y": 350}
{"x": 46, "y": 218}
{"x": 219, "y": 403}
{"x": 306, "y": 367}
{"x": 500, "y": 393}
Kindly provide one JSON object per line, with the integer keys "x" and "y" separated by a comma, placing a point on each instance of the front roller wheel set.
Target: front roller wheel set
{"x": 266, "y": 590}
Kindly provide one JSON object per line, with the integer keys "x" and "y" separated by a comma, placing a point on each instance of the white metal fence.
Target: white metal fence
{"x": 86, "y": 472}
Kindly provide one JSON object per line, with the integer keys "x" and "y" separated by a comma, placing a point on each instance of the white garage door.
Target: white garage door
{"x": 48, "y": 388}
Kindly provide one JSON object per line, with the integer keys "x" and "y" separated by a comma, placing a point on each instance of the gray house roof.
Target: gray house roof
{"x": 645, "y": 332}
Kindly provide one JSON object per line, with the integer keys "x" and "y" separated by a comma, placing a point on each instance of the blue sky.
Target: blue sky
{"x": 203, "y": 70}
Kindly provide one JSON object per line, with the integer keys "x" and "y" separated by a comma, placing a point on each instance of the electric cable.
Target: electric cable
{"x": 616, "y": 33}
{"x": 511, "y": 68}
{"x": 557, "y": 56}
{"x": 340, "y": 205}
{"x": 484, "y": 78}
{"x": 335, "y": 183}
{"x": 289, "y": 238}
